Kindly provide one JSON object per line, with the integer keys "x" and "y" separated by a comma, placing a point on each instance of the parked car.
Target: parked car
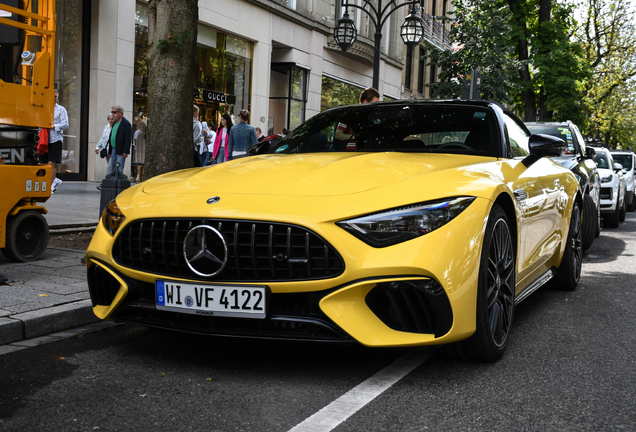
{"x": 426, "y": 224}
{"x": 613, "y": 186}
{"x": 627, "y": 159}
{"x": 580, "y": 160}
{"x": 264, "y": 145}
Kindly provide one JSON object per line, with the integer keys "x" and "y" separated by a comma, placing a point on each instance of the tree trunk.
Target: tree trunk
{"x": 545, "y": 9}
{"x": 519, "y": 16}
{"x": 172, "y": 36}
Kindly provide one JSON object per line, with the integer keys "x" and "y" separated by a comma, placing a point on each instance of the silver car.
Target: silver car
{"x": 613, "y": 187}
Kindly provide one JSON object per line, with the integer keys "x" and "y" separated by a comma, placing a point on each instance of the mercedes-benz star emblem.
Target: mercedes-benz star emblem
{"x": 205, "y": 250}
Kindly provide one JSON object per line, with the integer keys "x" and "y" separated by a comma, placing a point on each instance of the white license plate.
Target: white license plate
{"x": 211, "y": 300}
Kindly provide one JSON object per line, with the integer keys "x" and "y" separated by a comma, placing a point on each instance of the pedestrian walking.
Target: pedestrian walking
{"x": 56, "y": 139}
{"x": 220, "y": 150}
{"x": 208, "y": 141}
{"x": 139, "y": 147}
{"x": 120, "y": 140}
{"x": 103, "y": 140}
{"x": 259, "y": 134}
{"x": 242, "y": 136}
{"x": 197, "y": 136}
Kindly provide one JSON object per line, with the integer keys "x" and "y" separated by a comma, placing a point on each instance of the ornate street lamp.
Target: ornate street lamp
{"x": 345, "y": 33}
{"x": 412, "y": 30}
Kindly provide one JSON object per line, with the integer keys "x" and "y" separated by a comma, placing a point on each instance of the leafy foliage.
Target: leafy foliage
{"x": 524, "y": 61}
{"x": 608, "y": 37}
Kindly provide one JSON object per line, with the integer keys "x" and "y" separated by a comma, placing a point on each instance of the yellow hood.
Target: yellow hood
{"x": 318, "y": 174}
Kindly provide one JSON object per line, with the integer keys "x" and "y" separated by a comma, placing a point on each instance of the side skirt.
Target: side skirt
{"x": 538, "y": 283}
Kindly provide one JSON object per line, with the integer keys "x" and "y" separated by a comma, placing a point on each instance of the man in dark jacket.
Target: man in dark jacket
{"x": 119, "y": 141}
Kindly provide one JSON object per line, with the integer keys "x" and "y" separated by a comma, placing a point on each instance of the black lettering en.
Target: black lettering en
{"x": 208, "y": 297}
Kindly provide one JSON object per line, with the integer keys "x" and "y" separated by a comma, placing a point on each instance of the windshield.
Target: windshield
{"x": 556, "y": 131}
{"x": 625, "y": 160}
{"x": 602, "y": 160}
{"x": 396, "y": 127}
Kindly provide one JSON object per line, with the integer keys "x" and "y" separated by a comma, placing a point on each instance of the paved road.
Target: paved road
{"x": 570, "y": 367}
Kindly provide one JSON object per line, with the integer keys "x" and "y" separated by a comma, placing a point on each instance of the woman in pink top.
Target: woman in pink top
{"x": 222, "y": 137}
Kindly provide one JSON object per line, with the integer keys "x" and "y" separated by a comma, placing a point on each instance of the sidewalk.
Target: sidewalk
{"x": 51, "y": 294}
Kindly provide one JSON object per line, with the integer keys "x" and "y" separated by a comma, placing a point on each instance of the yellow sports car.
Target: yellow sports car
{"x": 389, "y": 223}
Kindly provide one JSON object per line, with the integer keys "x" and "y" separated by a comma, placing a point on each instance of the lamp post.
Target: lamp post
{"x": 412, "y": 30}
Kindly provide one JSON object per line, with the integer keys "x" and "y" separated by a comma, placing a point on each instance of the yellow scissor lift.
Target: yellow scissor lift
{"x": 25, "y": 107}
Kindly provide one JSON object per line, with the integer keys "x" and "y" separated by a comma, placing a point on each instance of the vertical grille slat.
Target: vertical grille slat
{"x": 176, "y": 245}
{"x": 253, "y": 250}
{"x": 289, "y": 252}
{"x": 307, "y": 255}
{"x": 236, "y": 249}
{"x": 270, "y": 248}
{"x": 140, "y": 241}
{"x": 257, "y": 251}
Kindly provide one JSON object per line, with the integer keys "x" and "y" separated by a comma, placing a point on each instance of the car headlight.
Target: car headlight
{"x": 398, "y": 225}
{"x": 607, "y": 178}
{"x": 112, "y": 217}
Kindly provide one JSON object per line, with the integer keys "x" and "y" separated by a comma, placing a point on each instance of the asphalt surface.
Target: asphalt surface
{"x": 51, "y": 294}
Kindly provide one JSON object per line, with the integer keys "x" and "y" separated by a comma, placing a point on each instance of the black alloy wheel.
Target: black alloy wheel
{"x": 569, "y": 273}
{"x": 495, "y": 294}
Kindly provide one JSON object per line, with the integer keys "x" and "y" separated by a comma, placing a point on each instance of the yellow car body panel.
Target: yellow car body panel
{"x": 297, "y": 192}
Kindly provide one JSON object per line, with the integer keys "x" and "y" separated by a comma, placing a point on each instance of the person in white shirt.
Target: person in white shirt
{"x": 56, "y": 139}
{"x": 103, "y": 141}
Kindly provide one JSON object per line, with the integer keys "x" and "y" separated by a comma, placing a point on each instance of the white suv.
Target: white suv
{"x": 613, "y": 187}
{"x": 627, "y": 159}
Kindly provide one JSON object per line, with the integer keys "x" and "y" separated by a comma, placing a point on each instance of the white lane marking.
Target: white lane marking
{"x": 348, "y": 404}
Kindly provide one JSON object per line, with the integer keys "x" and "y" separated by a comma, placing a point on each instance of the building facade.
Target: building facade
{"x": 276, "y": 58}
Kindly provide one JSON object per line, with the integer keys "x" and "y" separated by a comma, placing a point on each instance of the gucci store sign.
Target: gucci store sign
{"x": 214, "y": 96}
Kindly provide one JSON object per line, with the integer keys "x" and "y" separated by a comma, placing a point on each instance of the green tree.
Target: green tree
{"x": 607, "y": 35}
{"x": 172, "y": 35}
{"x": 524, "y": 52}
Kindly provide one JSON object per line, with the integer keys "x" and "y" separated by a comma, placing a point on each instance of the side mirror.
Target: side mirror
{"x": 590, "y": 153}
{"x": 617, "y": 167}
{"x": 546, "y": 145}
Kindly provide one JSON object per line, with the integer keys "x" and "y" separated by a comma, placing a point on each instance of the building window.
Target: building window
{"x": 336, "y": 92}
{"x": 69, "y": 81}
{"x": 409, "y": 68}
{"x": 288, "y": 96}
{"x": 421, "y": 69}
{"x": 223, "y": 69}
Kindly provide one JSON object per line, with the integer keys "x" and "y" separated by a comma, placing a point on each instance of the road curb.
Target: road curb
{"x": 49, "y": 320}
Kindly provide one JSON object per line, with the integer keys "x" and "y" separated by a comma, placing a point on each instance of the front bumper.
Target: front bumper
{"x": 420, "y": 292}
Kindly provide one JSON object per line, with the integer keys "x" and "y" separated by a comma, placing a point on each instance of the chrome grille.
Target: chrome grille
{"x": 257, "y": 251}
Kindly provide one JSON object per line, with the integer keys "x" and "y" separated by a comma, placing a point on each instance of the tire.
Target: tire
{"x": 632, "y": 206}
{"x": 622, "y": 212}
{"x": 590, "y": 215}
{"x": 27, "y": 236}
{"x": 613, "y": 220}
{"x": 495, "y": 294}
{"x": 569, "y": 272}
{"x": 599, "y": 221}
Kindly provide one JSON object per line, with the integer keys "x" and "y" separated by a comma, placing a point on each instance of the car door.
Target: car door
{"x": 541, "y": 200}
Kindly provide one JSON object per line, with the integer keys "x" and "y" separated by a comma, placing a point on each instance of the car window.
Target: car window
{"x": 556, "y": 131}
{"x": 517, "y": 137}
{"x": 579, "y": 138}
{"x": 396, "y": 127}
{"x": 602, "y": 161}
{"x": 625, "y": 160}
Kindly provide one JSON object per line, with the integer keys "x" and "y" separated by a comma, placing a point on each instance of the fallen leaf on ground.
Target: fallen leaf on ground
{"x": 59, "y": 358}
{"x": 43, "y": 295}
